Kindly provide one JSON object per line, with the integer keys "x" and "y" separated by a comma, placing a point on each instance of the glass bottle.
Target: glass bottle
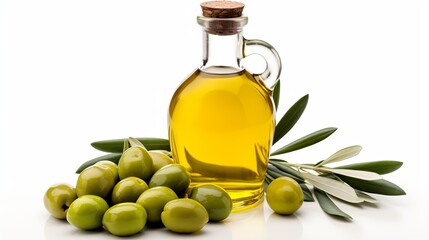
{"x": 222, "y": 117}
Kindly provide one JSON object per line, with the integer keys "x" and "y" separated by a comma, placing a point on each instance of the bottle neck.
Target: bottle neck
{"x": 223, "y": 44}
{"x": 222, "y": 53}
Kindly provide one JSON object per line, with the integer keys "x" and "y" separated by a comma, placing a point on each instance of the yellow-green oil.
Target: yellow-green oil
{"x": 221, "y": 128}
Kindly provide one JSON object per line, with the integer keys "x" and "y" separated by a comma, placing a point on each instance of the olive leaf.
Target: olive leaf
{"x": 308, "y": 196}
{"x": 113, "y": 157}
{"x": 381, "y": 186}
{"x": 328, "y": 206}
{"x": 306, "y": 141}
{"x": 342, "y": 154}
{"x": 290, "y": 118}
{"x": 352, "y": 173}
{"x": 277, "y": 160}
{"x": 380, "y": 167}
{"x": 366, "y": 197}
{"x": 126, "y": 145}
{"x": 269, "y": 177}
{"x": 275, "y": 173}
{"x": 135, "y": 142}
{"x": 287, "y": 170}
{"x": 117, "y": 145}
{"x": 276, "y": 94}
{"x": 333, "y": 187}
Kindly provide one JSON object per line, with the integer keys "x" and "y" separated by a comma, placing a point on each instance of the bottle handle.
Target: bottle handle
{"x": 271, "y": 74}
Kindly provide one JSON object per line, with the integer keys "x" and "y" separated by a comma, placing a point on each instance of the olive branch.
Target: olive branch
{"x": 350, "y": 183}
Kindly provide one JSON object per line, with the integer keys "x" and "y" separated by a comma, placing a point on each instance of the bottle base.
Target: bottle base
{"x": 240, "y": 205}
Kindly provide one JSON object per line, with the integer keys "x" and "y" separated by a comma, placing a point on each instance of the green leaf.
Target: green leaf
{"x": 269, "y": 175}
{"x": 381, "y": 186}
{"x": 275, "y": 173}
{"x": 290, "y": 118}
{"x": 366, "y": 197}
{"x": 113, "y": 157}
{"x": 269, "y": 178}
{"x": 126, "y": 145}
{"x": 380, "y": 167}
{"x": 352, "y": 173}
{"x": 117, "y": 145}
{"x": 328, "y": 206}
{"x": 342, "y": 154}
{"x": 306, "y": 141}
{"x": 287, "y": 169}
{"x": 277, "y": 160}
{"x": 308, "y": 196}
{"x": 333, "y": 187}
{"x": 276, "y": 94}
{"x": 135, "y": 142}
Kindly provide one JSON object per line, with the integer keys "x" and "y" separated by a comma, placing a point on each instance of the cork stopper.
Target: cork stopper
{"x": 222, "y": 17}
{"x": 222, "y": 9}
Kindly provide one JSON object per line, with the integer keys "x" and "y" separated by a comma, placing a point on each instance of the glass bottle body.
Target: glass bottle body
{"x": 221, "y": 129}
{"x": 222, "y": 118}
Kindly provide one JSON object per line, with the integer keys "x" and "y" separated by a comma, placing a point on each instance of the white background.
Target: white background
{"x": 73, "y": 72}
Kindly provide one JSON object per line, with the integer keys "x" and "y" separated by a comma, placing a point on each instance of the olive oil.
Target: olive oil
{"x": 221, "y": 125}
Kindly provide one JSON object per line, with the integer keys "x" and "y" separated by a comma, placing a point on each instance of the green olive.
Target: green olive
{"x": 154, "y": 200}
{"x": 159, "y": 160}
{"x": 95, "y": 180}
{"x": 58, "y": 198}
{"x": 125, "y": 219}
{"x": 284, "y": 195}
{"x": 173, "y": 176}
{"x": 128, "y": 190}
{"x": 135, "y": 162}
{"x": 184, "y": 216}
{"x": 87, "y": 212}
{"x": 112, "y": 166}
{"x": 215, "y": 199}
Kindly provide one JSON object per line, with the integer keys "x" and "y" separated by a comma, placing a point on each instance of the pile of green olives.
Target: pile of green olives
{"x": 145, "y": 187}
